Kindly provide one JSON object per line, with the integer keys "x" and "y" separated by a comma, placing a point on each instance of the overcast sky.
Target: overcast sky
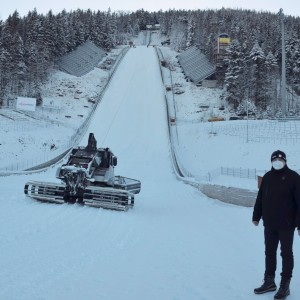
{"x": 7, "y": 7}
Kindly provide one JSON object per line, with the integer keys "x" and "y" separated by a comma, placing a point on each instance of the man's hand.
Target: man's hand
{"x": 256, "y": 224}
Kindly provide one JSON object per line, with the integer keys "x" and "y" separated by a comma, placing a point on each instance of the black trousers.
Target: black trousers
{"x": 272, "y": 239}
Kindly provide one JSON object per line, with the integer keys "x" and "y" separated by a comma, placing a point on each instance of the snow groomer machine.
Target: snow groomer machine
{"x": 88, "y": 178}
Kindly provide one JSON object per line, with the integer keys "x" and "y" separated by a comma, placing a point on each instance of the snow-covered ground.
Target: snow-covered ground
{"x": 243, "y": 145}
{"x": 174, "y": 244}
{"x": 27, "y": 137}
{"x": 206, "y": 147}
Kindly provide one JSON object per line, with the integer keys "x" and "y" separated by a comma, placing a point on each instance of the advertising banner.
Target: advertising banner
{"x": 24, "y": 103}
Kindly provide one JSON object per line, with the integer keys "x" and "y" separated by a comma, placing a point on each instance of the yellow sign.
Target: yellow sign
{"x": 224, "y": 40}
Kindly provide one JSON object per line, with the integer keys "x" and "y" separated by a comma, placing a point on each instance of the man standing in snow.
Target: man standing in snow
{"x": 278, "y": 205}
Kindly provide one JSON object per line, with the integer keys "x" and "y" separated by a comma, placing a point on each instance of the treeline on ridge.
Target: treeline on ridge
{"x": 29, "y": 46}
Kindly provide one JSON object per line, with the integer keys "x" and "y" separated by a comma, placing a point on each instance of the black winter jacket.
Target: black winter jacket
{"x": 278, "y": 199}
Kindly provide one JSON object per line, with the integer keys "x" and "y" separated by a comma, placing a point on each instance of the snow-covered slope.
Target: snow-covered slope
{"x": 174, "y": 244}
{"x": 205, "y": 149}
{"x": 27, "y": 137}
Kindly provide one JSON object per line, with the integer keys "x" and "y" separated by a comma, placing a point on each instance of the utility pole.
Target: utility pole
{"x": 283, "y": 71}
{"x": 247, "y": 120}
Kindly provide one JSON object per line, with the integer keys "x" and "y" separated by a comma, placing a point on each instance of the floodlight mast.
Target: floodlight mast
{"x": 283, "y": 67}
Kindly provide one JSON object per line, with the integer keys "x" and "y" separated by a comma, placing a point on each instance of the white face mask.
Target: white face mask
{"x": 277, "y": 164}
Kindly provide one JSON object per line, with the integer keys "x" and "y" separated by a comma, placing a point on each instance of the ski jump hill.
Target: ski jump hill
{"x": 174, "y": 244}
{"x": 84, "y": 58}
{"x": 227, "y": 194}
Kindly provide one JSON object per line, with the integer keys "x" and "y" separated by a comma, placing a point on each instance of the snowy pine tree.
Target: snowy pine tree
{"x": 233, "y": 76}
{"x": 259, "y": 93}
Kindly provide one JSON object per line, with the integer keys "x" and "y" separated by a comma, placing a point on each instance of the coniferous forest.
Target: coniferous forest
{"x": 30, "y": 45}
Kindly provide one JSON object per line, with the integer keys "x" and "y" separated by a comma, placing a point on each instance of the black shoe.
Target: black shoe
{"x": 284, "y": 290}
{"x": 268, "y": 286}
